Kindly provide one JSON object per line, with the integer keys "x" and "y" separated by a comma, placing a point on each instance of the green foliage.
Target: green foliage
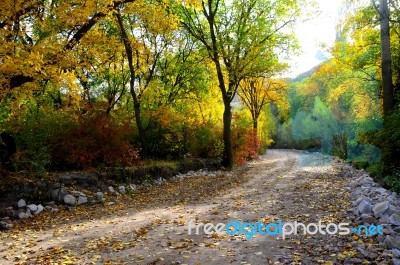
{"x": 393, "y": 181}
{"x": 50, "y": 139}
{"x": 32, "y": 131}
{"x": 205, "y": 141}
{"x": 388, "y": 140}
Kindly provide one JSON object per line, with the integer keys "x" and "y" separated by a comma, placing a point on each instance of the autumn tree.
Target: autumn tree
{"x": 256, "y": 93}
{"x": 38, "y": 39}
{"x": 182, "y": 72}
{"x": 241, "y": 38}
{"x": 145, "y": 41}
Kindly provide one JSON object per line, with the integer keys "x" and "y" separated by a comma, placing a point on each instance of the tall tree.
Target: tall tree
{"x": 145, "y": 44}
{"x": 386, "y": 56}
{"x": 241, "y": 38}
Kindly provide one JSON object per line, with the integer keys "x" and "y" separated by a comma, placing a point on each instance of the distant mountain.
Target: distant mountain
{"x": 306, "y": 74}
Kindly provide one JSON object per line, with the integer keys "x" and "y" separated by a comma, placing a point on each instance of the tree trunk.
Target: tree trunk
{"x": 136, "y": 101}
{"x": 138, "y": 119}
{"x": 255, "y": 125}
{"x": 387, "y": 84}
{"x": 227, "y": 158}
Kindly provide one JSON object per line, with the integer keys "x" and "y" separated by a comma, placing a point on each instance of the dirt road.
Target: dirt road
{"x": 283, "y": 185}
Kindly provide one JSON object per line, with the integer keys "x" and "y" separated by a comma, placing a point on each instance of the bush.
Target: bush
{"x": 60, "y": 140}
{"x": 95, "y": 140}
{"x": 205, "y": 141}
{"x": 246, "y": 143}
{"x": 32, "y": 131}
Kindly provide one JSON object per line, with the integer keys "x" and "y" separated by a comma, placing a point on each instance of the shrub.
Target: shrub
{"x": 205, "y": 141}
{"x": 60, "y": 140}
{"x": 245, "y": 140}
{"x": 95, "y": 140}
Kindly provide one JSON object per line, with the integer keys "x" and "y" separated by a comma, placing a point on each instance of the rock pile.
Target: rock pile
{"x": 374, "y": 205}
{"x": 71, "y": 198}
{"x": 202, "y": 172}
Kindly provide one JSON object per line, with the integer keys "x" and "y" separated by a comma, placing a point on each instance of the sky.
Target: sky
{"x": 312, "y": 33}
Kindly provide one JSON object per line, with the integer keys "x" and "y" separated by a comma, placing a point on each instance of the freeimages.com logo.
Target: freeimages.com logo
{"x": 281, "y": 228}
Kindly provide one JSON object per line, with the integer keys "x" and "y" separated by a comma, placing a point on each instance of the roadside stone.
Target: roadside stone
{"x": 22, "y": 215}
{"x": 21, "y": 203}
{"x": 159, "y": 181}
{"x": 387, "y": 231}
{"x": 365, "y": 207}
{"x": 112, "y": 191}
{"x": 32, "y": 207}
{"x": 58, "y": 193}
{"x": 391, "y": 243}
{"x": 362, "y": 198}
{"x": 384, "y": 219}
{"x": 352, "y": 261}
{"x": 99, "y": 196}
{"x": 38, "y": 210}
{"x": 381, "y": 190}
{"x": 69, "y": 200}
{"x": 394, "y": 219}
{"x": 121, "y": 189}
{"x": 50, "y": 209}
{"x": 82, "y": 199}
{"x": 393, "y": 210}
{"x": 396, "y": 253}
{"x": 372, "y": 256}
{"x": 367, "y": 218}
{"x": 380, "y": 208}
{"x": 363, "y": 252}
{"x": 28, "y": 213}
{"x": 5, "y": 223}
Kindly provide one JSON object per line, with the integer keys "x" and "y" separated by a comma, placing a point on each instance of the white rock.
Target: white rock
{"x": 51, "y": 209}
{"x": 111, "y": 189}
{"x": 99, "y": 196}
{"x": 22, "y": 215}
{"x": 32, "y": 207}
{"x": 362, "y": 198}
{"x": 396, "y": 253}
{"x": 159, "y": 181}
{"x": 380, "y": 208}
{"x": 39, "y": 209}
{"x": 133, "y": 187}
{"x": 384, "y": 219}
{"x": 394, "y": 219}
{"x": 77, "y": 193}
{"x": 121, "y": 189}
{"x": 69, "y": 200}
{"x": 364, "y": 207}
{"x": 82, "y": 200}
{"x": 21, "y": 203}
{"x": 391, "y": 243}
{"x": 393, "y": 210}
{"x": 28, "y": 213}
{"x": 367, "y": 218}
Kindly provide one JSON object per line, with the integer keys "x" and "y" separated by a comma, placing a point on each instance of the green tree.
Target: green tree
{"x": 242, "y": 38}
